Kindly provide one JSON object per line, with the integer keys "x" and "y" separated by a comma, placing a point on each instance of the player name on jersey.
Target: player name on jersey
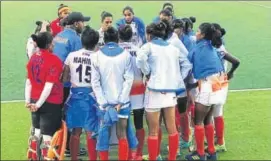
{"x": 82, "y": 60}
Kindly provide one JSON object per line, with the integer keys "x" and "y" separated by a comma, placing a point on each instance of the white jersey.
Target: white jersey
{"x": 101, "y": 38}
{"x": 167, "y": 66}
{"x": 175, "y": 41}
{"x": 112, "y": 75}
{"x": 80, "y": 67}
{"x": 136, "y": 40}
{"x": 30, "y": 48}
{"x": 222, "y": 50}
{"x": 132, "y": 49}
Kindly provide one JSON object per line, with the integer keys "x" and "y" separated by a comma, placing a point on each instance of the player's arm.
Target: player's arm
{"x": 96, "y": 85}
{"x": 128, "y": 81}
{"x": 27, "y": 92}
{"x": 66, "y": 72}
{"x": 142, "y": 59}
{"x": 185, "y": 67}
{"x": 234, "y": 61}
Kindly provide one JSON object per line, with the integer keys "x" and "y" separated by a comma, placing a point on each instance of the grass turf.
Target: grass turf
{"x": 247, "y": 119}
{"x": 247, "y": 33}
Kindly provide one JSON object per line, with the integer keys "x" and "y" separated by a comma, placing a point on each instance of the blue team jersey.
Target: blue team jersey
{"x": 205, "y": 60}
{"x": 66, "y": 42}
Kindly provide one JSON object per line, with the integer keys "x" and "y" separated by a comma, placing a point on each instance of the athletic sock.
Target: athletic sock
{"x": 140, "y": 134}
{"x": 199, "y": 137}
{"x": 123, "y": 149}
{"x": 173, "y": 143}
{"x": 209, "y": 132}
{"x": 152, "y": 143}
{"x": 91, "y": 144}
{"x": 219, "y": 129}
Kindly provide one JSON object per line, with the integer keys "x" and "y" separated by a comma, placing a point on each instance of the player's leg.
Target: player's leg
{"x": 50, "y": 122}
{"x": 219, "y": 128}
{"x": 184, "y": 120}
{"x": 173, "y": 136}
{"x": 209, "y": 133}
{"x": 153, "y": 115}
{"x": 201, "y": 112}
{"x": 35, "y": 137}
{"x": 75, "y": 142}
{"x": 140, "y": 132}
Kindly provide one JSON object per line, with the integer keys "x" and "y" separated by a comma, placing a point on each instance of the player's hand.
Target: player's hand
{"x": 27, "y": 104}
{"x": 34, "y": 108}
{"x": 229, "y": 75}
{"x": 117, "y": 107}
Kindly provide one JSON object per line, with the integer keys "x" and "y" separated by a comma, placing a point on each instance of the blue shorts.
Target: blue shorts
{"x": 81, "y": 109}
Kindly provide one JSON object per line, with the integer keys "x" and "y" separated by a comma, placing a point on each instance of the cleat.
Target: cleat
{"x": 211, "y": 156}
{"x": 184, "y": 144}
{"x": 220, "y": 148}
{"x": 146, "y": 157}
{"x": 178, "y": 151}
{"x": 195, "y": 156}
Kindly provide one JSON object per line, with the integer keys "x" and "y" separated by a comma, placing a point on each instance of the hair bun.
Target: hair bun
{"x": 223, "y": 31}
{"x": 193, "y": 19}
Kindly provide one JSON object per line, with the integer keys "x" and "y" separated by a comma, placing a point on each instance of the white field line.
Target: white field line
{"x": 238, "y": 90}
{"x": 255, "y": 4}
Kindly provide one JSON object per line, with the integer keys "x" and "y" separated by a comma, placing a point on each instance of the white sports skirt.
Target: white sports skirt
{"x": 212, "y": 90}
{"x": 137, "y": 101}
{"x": 155, "y": 101}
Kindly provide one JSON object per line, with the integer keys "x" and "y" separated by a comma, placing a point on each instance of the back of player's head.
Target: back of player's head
{"x": 188, "y": 23}
{"x": 211, "y": 33}
{"x": 168, "y": 29}
{"x": 43, "y": 39}
{"x": 105, "y": 14}
{"x": 178, "y": 23}
{"x": 129, "y": 9}
{"x": 125, "y": 32}
{"x": 157, "y": 30}
{"x": 63, "y": 8}
{"x": 218, "y": 27}
{"x": 111, "y": 35}
{"x": 89, "y": 38}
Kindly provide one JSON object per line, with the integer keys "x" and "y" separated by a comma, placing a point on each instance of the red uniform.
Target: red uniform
{"x": 55, "y": 26}
{"x": 45, "y": 67}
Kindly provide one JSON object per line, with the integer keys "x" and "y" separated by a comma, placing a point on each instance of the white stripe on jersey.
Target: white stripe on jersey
{"x": 80, "y": 67}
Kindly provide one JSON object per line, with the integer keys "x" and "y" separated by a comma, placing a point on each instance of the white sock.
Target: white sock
{"x": 47, "y": 139}
{"x": 37, "y": 132}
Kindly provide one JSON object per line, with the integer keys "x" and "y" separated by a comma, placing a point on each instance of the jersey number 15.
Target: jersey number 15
{"x": 87, "y": 75}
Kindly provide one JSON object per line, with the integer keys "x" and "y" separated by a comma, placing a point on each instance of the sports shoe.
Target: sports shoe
{"x": 211, "y": 156}
{"x": 146, "y": 157}
{"x": 184, "y": 144}
{"x": 195, "y": 156}
{"x": 178, "y": 151}
{"x": 82, "y": 152}
{"x": 220, "y": 148}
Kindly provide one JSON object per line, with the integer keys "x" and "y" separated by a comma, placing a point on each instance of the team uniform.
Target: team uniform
{"x": 56, "y": 27}
{"x": 81, "y": 109}
{"x": 163, "y": 85}
{"x": 189, "y": 40}
{"x": 138, "y": 28}
{"x": 138, "y": 87}
{"x": 208, "y": 71}
{"x": 112, "y": 79}
{"x": 44, "y": 67}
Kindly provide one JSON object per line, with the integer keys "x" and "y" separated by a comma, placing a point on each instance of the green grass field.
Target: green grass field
{"x": 248, "y": 34}
{"x": 247, "y": 118}
{"x": 247, "y": 114}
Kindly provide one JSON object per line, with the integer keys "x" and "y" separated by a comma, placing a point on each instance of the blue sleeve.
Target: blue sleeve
{"x": 118, "y": 23}
{"x": 76, "y": 45}
{"x": 142, "y": 30}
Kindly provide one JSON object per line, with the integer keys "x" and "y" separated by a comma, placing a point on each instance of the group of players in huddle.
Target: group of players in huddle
{"x": 94, "y": 79}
